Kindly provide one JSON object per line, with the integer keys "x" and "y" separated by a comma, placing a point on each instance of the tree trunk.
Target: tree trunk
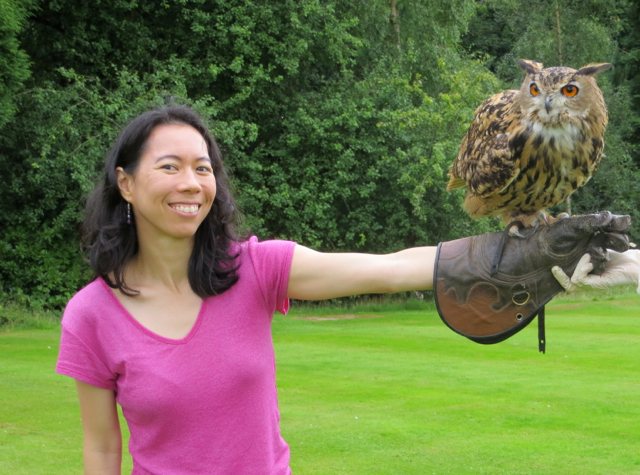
{"x": 394, "y": 20}
{"x": 559, "y": 40}
{"x": 559, "y": 33}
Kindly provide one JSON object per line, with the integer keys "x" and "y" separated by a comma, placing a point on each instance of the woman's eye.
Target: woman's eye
{"x": 205, "y": 169}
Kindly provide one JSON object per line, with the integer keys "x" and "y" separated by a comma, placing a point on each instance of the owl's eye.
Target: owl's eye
{"x": 570, "y": 90}
{"x": 534, "y": 89}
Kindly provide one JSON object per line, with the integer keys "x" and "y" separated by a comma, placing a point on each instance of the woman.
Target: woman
{"x": 176, "y": 327}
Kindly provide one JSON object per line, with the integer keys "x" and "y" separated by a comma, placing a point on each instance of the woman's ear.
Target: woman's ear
{"x": 125, "y": 183}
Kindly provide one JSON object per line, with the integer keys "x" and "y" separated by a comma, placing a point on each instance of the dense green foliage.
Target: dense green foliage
{"x": 14, "y": 63}
{"x": 629, "y": 68}
{"x": 338, "y": 120}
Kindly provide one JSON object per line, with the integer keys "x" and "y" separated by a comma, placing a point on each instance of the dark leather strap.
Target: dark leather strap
{"x": 541, "y": 333}
{"x": 503, "y": 240}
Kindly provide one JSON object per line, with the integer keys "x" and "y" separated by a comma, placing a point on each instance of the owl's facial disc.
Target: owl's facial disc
{"x": 556, "y": 101}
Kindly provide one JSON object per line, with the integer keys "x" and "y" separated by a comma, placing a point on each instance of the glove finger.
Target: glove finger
{"x": 563, "y": 279}
{"x": 619, "y": 222}
{"x": 570, "y": 229}
{"x": 582, "y": 269}
{"x": 601, "y": 221}
{"x": 590, "y": 223}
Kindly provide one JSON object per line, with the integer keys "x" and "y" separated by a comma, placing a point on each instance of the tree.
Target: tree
{"x": 14, "y": 62}
{"x": 628, "y": 69}
{"x": 334, "y": 136}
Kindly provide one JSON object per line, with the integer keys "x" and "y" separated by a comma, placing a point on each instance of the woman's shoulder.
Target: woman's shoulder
{"x": 268, "y": 250}
{"x": 91, "y": 300}
{"x": 267, "y": 245}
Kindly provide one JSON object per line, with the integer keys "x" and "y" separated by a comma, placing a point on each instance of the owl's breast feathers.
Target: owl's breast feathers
{"x": 513, "y": 163}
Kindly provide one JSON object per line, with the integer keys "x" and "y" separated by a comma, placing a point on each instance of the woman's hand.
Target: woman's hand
{"x": 622, "y": 268}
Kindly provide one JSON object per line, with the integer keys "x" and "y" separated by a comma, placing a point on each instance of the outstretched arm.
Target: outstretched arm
{"x": 317, "y": 276}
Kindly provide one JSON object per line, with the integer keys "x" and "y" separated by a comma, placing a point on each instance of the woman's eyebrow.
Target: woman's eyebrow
{"x": 176, "y": 157}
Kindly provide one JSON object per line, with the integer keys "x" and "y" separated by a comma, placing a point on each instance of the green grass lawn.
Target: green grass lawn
{"x": 399, "y": 394}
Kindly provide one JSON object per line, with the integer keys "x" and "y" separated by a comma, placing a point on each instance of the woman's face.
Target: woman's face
{"x": 172, "y": 190}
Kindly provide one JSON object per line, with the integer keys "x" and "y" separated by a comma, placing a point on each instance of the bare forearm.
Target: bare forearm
{"x": 316, "y": 276}
{"x": 102, "y": 445}
{"x": 102, "y": 463}
{"x": 413, "y": 269}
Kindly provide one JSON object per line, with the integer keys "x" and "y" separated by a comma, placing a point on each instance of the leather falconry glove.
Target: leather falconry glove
{"x": 491, "y": 286}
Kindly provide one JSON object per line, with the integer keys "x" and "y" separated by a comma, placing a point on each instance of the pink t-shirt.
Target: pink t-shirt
{"x": 204, "y": 404}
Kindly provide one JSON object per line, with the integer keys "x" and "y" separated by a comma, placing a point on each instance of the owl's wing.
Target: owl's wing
{"x": 485, "y": 164}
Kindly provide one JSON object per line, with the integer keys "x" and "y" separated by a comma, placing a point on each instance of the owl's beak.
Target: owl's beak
{"x": 547, "y": 104}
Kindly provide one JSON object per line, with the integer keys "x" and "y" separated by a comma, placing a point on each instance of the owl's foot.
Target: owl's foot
{"x": 530, "y": 220}
{"x": 517, "y": 221}
{"x": 550, "y": 220}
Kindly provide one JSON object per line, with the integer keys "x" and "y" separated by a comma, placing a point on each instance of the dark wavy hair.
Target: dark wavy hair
{"x": 110, "y": 243}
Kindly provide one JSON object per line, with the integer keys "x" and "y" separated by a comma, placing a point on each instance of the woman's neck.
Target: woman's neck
{"x": 161, "y": 263}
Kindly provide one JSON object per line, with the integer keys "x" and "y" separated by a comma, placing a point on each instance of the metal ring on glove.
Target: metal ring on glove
{"x": 520, "y": 294}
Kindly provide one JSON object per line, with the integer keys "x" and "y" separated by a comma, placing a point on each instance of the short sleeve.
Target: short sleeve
{"x": 82, "y": 349}
{"x": 272, "y": 264}
{"x": 77, "y": 360}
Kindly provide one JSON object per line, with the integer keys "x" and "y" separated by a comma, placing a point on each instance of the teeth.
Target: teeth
{"x": 186, "y": 209}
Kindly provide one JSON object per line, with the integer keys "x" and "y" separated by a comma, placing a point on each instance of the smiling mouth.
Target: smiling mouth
{"x": 186, "y": 208}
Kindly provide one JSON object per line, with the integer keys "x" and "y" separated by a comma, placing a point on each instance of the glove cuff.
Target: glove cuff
{"x": 486, "y": 310}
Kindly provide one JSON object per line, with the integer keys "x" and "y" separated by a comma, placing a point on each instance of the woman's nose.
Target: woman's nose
{"x": 189, "y": 182}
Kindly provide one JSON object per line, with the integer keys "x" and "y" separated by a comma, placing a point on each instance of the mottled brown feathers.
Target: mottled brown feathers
{"x": 529, "y": 149}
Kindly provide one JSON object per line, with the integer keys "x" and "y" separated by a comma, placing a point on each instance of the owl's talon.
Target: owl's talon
{"x": 514, "y": 231}
{"x": 536, "y": 226}
{"x": 542, "y": 216}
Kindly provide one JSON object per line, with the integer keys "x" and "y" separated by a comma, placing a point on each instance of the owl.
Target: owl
{"x": 529, "y": 149}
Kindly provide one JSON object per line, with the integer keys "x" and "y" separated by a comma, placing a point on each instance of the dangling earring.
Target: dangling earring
{"x": 128, "y": 213}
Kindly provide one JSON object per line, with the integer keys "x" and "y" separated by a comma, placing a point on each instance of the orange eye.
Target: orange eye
{"x": 534, "y": 89}
{"x": 570, "y": 90}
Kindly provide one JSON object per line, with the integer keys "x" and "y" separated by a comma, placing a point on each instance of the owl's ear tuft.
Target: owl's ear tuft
{"x": 530, "y": 67}
{"x": 593, "y": 69}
